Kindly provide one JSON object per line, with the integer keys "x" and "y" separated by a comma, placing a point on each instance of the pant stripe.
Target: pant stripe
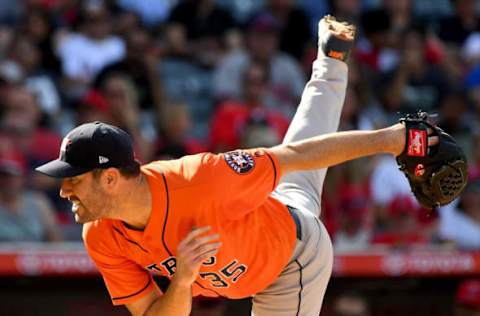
{"x": 301, "y": 288}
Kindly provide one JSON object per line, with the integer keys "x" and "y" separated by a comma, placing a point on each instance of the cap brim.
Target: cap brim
{"x": 61, "y": 169}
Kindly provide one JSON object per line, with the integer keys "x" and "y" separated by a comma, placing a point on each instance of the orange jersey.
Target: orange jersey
{"x": 229, "y": 192}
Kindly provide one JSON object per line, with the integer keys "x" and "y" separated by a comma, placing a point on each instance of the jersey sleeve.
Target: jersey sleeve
{"x": 126, "y": 281}
{"x": 240, "y": 181}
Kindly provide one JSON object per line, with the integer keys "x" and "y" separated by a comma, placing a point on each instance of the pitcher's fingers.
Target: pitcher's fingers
{"x": 206, "y": 247}
{"x": 194, "y": 233}
{"x": 202, "y": 240}
{"x": 206, "y": 255}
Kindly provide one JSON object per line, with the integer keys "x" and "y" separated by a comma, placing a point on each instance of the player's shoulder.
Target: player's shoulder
{"x": 183, "y": 165}
{"x": 98, "y": 234}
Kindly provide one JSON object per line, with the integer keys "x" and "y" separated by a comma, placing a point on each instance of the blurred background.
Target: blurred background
{"x": 202, "y": 75}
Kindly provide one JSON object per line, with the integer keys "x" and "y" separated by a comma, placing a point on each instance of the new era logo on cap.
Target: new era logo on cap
{"x": 102, "y": 159}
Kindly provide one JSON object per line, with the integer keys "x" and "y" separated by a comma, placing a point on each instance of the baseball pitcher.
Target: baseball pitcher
{"x": 239, "y": 224}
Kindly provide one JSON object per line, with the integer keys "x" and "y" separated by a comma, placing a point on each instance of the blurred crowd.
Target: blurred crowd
{"x": 202, "y": 75}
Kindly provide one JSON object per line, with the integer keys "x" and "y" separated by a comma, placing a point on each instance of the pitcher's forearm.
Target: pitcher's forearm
{"x": 177, "y": 301}
{"x": 331, "y": 149}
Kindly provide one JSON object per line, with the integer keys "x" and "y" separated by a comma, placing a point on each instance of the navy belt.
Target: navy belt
{"x": 296, "y": 219}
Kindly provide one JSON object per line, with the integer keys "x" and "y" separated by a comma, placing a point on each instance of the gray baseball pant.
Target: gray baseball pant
{"x": 300, "y": 288}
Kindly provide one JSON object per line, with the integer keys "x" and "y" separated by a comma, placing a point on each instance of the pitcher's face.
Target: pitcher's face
{"x": 89, "y": 201}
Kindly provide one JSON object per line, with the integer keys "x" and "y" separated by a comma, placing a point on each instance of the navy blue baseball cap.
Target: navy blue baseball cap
{"x": 91, "y": 146}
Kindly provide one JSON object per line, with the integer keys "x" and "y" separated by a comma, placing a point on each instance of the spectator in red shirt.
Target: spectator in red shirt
{"x": 404, "y": 229}
{"x": 116, "y": 103}
{"x": 93, "y": 107}
{"x": 231, "y": 117}
{"x": 353, "y": 233}
{"x": 20, "y": 122}
{"x": 21, "y": 131}
{"x": 474, "y": 165}
{"x": 373, "y": 50}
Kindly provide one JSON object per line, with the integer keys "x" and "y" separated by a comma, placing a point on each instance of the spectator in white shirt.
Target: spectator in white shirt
{"x": 461, "y": 224}
{"x": 85, "y": 53}
{"x": 386, "y": 184}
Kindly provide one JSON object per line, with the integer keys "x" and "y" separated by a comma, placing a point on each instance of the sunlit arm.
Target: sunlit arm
{"x": 331, "y": 149}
